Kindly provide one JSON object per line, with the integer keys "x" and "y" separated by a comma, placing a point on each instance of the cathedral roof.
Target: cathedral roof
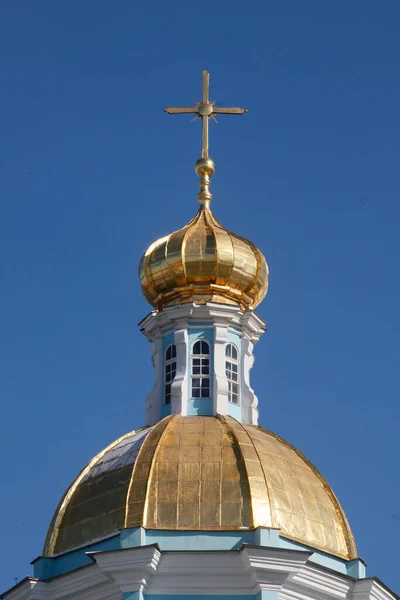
{"x": 201, "y": 473}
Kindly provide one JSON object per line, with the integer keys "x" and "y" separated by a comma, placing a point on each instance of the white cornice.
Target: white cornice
{"x": 329, "y": 583}
{"x": 202, "y": 573}
{"x": 87, "y": 583}
{"x": 277, "y": 559}
{"x": 28, "y": 589}
{"x": 86, "y": 580}
{"x": 131, "y": 569}
{"x": 247, "y": 571}
{"x": 371, "y": 589}
{"x": 272, "y": 566}
{"x": 156, "y": 322}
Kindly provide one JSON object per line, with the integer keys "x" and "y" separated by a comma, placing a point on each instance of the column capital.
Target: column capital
{"x": 131, "y": 569}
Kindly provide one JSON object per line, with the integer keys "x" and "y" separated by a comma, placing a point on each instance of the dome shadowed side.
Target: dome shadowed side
{"x": 94, "y": 505}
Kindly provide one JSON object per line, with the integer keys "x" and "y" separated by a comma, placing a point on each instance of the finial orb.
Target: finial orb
{"x": 205, "y": 166}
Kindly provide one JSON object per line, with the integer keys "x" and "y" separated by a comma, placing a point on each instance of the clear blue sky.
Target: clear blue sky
{"x": 92, "y": 171}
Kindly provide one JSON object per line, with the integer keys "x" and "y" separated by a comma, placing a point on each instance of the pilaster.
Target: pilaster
{"x": 249, "y": 399}
{"x": 152, "y": 400}
{"x": 179, "y": 386}
{"x": 220, "y": 381}
{"x": 253, "y": 327}
{"x": 131, "y": 569}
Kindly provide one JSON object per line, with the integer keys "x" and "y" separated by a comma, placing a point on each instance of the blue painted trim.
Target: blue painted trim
{"x": 237, "y": 329}
{"x": 233, "y": 540}
{"x": 233, "y": 338}
{"x": 267, "y": 537}
{"x": 200, "y": 406}
{"x": 200, "y": 334}
{"x": 137, "y": 596}
{"x": 168, "y": 330}
{"x": 267, "y": 595}
{"x": 200, "y": 540}
{"x": 48, "y": 567}
{"x": 235, "y": 411}
{"x": 356, "y": 568}
{"x": 165, "y": 410}
{"x": 133, "y": 537}
{"x": 167, "y": 341}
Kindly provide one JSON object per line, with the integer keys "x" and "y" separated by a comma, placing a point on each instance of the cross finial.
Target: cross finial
{"x": 205, "y": 110}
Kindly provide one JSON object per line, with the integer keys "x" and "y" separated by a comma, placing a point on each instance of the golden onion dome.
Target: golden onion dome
{"x": 203, "y": 261}
{"x": 201, "y": 473}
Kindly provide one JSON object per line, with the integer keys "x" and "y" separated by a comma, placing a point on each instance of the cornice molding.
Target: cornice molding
{"x": 29, "y": 588}
{"x": 156, "y": 322}
{"x": 131, "y": 569}
{"x": 289, "y": 573}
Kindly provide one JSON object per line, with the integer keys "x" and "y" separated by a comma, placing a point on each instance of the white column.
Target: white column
{"x": 132, "y": 569}
{"x": 249, "y": 399}
{"x": 153, "y": 400}
{"x": 179, "y": 388}
{"x": 220, "y": 379}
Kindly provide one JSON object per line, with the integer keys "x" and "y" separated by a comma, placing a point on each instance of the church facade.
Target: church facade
{"x": 201, "y": 502}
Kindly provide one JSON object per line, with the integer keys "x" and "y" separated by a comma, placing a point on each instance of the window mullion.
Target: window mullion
{"x": 232, "y": 366}
{"x": 200, "y": 370}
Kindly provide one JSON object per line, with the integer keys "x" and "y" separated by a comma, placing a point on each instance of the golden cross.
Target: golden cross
{"x": 205, "y": 110}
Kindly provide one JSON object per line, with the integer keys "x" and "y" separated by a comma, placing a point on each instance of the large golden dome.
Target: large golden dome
{"x": 201, "y": 473}
{"x": 204, "y": 262}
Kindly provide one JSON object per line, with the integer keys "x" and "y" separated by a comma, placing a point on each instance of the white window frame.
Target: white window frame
{"x": 232, "y": 370}
{"x": 169, "y": 369}
{"x": 201, "y": 376}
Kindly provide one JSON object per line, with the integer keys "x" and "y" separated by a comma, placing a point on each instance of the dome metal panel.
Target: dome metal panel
{"x": 201, "y": 473}
{"x": 203, "y": 262}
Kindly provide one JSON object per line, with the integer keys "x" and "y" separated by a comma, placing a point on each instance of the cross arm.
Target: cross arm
{"x": 177, "y": 110}
{"x": 229, "y": 111}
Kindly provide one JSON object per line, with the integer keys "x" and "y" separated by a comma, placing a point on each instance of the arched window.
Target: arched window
{"x": 169, "y": 371}
{"x": 232, "y": 373}
{"x": 201, "y": 370}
